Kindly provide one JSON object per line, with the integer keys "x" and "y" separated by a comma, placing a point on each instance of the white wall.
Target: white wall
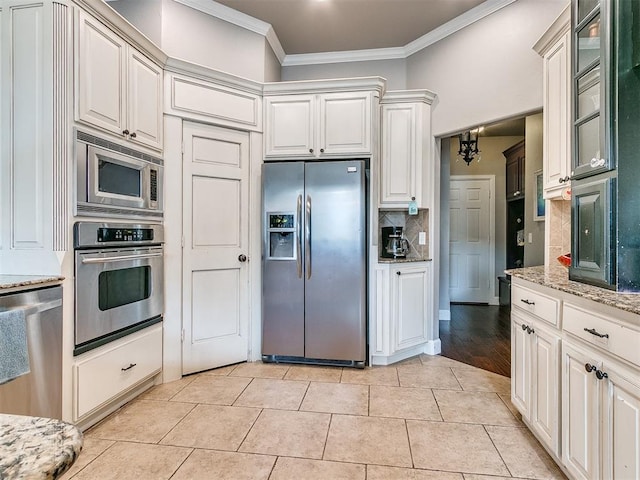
{"x": 487, "y": 71}
{"x": 534, "y": 251}
{"x": 272, "y": 68}
{"x": 393, "y": 70}
{"x": 145, "y": 15}
{"x": 445, "y": 225}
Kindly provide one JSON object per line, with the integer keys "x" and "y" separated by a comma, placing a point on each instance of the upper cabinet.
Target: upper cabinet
{"x": 590, "y": 76}
{"x": 515, "y": 171}
{"x": 118, "y": 89}
{"x": 321, "y": 119}
{"x": 406, "y": 156}
{"x": 555, "y": 48}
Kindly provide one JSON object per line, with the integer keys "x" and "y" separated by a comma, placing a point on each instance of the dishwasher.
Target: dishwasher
{"x": 38, "y": 393}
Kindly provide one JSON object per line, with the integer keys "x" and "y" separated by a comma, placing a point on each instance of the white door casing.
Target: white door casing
{"x": 471, "y": 240}
{"x": 216, "y": 232}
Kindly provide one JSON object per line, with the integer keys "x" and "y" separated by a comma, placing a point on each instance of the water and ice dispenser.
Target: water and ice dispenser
{"x": 281, "y": 233}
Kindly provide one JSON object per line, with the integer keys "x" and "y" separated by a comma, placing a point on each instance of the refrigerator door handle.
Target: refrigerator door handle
{"x": 307, "y": 237}
{"x": 299, "y": 236}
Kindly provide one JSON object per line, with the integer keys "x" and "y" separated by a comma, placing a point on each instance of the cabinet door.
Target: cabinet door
{"x": 545, "y": 380}
{"x": 345, "y": 123}
{"x": 621, "y": 442}
{"x": 580, "y": 414}
{"x": 100, "y": 76}
{"x": 398, "y": 165}
{"x": 520, "y": 364}
{"x": 289, "y": 126}
{"x": 592, "y": 235}
{"x": 411, "y": 306}
{"x": 515, "y": 177}
{"x": 556, "y": 105}
{"x": 145, "y": 100}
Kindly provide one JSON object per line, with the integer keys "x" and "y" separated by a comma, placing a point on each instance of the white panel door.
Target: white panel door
{"x": 410, "y": 295}
{"x": 470, "y": 241}
{"x": 215, "y": 227}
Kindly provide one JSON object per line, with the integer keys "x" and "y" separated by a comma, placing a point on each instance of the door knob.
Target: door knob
{"x": 242, "y": 257}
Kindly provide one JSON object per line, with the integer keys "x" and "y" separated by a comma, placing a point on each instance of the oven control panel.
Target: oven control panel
{"x": 125, "y": 235}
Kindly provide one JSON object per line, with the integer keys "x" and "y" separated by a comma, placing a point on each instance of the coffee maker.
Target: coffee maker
{"x": 393, "y": 244}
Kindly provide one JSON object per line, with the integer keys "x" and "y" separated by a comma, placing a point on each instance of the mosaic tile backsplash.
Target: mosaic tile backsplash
{"x": 559, "y": 224}
{"x": 413, "y": 225}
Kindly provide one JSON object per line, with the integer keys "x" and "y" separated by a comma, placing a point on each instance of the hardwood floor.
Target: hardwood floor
{"x": 478, "y": 335}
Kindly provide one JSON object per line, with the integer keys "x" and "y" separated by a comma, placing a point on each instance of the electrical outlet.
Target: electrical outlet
{"x": 422, "y": 238}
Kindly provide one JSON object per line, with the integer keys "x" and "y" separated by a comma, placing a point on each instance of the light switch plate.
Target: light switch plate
{"x": 530, "y": 237}
{"x": 422, "y": 238}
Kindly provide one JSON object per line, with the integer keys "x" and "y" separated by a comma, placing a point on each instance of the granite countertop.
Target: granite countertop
{"x": 36, "y": 448}
{"x": 403, "y": 260}
{"x": 557, "y": 277}
{"x": 15, "y": 283}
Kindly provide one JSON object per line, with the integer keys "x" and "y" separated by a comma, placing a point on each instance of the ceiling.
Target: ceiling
{"x": 314, "y": 26}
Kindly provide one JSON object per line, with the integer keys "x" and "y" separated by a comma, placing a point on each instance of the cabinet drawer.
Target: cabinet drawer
{"x": 102, "y": 376}
{"x": 602, "y": 332}
{"x": 542, "y": 306}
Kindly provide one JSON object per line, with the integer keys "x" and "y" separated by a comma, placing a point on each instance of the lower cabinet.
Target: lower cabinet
{"x": 534, "y": 376}
{"x": 403, "y": 311}
{"x": 108, "y": 372}
{"x": 601, "y": 416}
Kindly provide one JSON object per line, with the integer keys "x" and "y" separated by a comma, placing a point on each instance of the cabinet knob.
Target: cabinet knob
{"x": 398, "y": 273}
{"x": 133, "y": 135}
{"x": 589, "y": 368}
{"x": 311, "y": 150}
{"x": 322, "y": 150}
{"x": 600, "y": 374}
{"x": 524, "y": 327}
{"x": 125, "y": 132}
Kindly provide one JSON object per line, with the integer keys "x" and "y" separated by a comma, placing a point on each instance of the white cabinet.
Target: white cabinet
{"x": 535, "y": 376}
{"x": 118, "y": 89}
{"x": 406, "y": 158}
{"x": 403, "y": 311}
{"x": 110, "y": 371}
{"x": 318, "y": 125}
{"x": 555, "y": 49}
{"x": 601, "y": 411}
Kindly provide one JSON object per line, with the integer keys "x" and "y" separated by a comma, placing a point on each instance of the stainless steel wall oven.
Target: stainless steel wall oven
{"x": 119, "y": 281}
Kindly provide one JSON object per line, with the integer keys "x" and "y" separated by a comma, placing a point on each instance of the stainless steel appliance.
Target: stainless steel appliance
{"x": 119, "y": 281}
{"x": 314, "y": 262}
{"x": 394, "y": 245}
{"x": 116, "y": 180}
{"x": 39, "y": 392}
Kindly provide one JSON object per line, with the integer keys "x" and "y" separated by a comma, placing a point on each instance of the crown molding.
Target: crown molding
{"x": 377, "y": 84}
{"x": 405, "y": 96}
{"x": 558, "y": 28}
{"x": 258, "y": 26}
{"x": 235, "y": 17}
{"x": 176, "y": 65}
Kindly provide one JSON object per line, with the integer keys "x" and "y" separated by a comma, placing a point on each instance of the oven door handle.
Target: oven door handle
{"x": 120, "y": 257}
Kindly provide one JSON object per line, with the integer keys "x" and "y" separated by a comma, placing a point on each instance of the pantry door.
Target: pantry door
{"x": 216, "y": 235}
{"x": 471, "y": 244}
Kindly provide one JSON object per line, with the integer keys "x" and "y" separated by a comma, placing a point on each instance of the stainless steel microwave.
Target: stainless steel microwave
{"x": 116, "y": 180}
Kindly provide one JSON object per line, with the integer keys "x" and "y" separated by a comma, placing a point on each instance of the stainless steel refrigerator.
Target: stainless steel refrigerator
{"x": 314, "y": 262}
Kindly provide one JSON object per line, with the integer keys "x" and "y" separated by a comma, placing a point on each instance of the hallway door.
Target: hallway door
{"x": 471, "y": 240}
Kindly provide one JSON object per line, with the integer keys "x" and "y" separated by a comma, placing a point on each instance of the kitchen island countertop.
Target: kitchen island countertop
{"x": 557, "y": 277}
{"x": 402, "y": 260}
{"x": 37, "y": 448}
{"x": 17, "y": 283}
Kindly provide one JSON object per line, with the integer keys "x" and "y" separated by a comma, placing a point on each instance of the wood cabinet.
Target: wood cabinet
{"x": 555, "y": 48}
{"x": 318, "y": 125}
{"x": 118, "y": 89}
{"x": 406, "y": 157}
{"x": 403, "y": 312}
{"x": 515, "y": 171}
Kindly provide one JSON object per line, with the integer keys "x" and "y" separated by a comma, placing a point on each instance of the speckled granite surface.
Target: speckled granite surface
{"x": 10, "y": 283}
{"x": 36, "y": 448}
{"x": 403, "y": 260}
{"x": 558, "y": 278}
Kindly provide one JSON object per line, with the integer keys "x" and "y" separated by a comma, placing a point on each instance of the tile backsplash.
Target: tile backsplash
{"x": 559, "y": 225}
{"x": 413, "y": 225}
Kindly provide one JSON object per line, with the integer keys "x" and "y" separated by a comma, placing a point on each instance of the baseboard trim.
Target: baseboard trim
{"x": 433, "y": 347}
{"x": 494, "y": 301}
{"x": 444, "y": 315}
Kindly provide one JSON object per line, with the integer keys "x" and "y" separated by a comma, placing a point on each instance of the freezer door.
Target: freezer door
{"x": 335, "y": 260}
{"x": 282, "y": 253}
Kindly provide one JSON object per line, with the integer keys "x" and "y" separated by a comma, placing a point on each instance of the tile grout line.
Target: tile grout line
{"x": 177, "y": 423}
{"x": 497, "y": 451}
{"x": 326, "y": 437}
{"x": 182, "y": 463}
{"x": 237, "y": 450}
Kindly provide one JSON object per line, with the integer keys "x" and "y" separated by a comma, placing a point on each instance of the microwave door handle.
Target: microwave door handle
{"x": 122, "y": 257}
{"x": 299, "y": 235}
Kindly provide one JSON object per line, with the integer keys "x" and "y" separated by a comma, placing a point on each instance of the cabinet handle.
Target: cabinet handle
{"x": 131, "y": 365}
{"x": 125, "y": 132}
{"x": 600, "y": 374}
{"x": 133, "y": 135}
{"x": 524, "y": 327}
{"x": 530, "y": 330}
{"x": 564, "y": 179}
{"x": 398, "y": 273}
{"x": 515, "y": 194}
{"x": 597, "y": 162}
{"x": 589, "y": 368}
{"x": 527, "y": 301}
{"x": 322, "y": 150}
{"x": 311, "y": 150}
{"x": 593, "y": 331}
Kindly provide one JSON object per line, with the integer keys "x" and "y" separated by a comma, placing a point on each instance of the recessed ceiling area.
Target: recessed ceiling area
{"x": 313, "y": 26}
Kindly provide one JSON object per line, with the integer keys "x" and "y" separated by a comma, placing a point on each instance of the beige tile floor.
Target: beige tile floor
{"x": 428, "y": 418}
